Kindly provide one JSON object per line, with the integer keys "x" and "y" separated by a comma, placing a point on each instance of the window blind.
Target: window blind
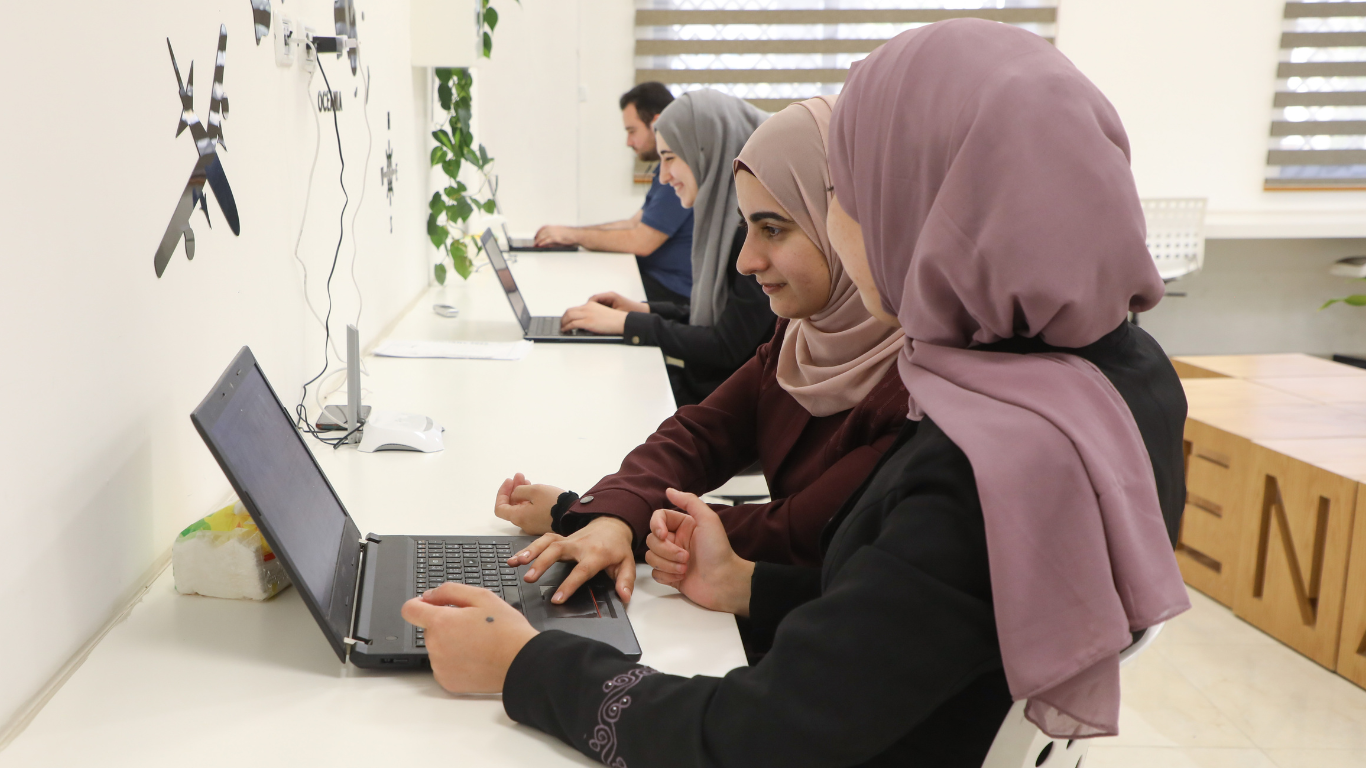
{"x": 1318, "y": 119}
{"x": 775, "y": 52}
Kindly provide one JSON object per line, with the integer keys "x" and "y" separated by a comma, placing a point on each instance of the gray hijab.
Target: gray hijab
{"x": 707, "y": 129}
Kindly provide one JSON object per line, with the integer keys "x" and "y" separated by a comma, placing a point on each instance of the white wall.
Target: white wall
{"x": 1263, "y": 295}
{"x": 560, "y": 160}
{"x": 1193, "y": 82}
{"x": 104, "y": 362}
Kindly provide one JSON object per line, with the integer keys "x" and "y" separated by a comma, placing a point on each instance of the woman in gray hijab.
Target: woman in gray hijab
{"x": 728, "y": 315}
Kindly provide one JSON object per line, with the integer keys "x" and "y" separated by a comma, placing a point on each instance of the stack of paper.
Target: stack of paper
{"x": 456, "y": 350}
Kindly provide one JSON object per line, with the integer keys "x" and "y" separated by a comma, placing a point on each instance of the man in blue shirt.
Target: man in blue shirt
{"x": 660, "y": 233}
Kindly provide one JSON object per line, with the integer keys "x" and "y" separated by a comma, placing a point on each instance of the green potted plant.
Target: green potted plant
{"x": 450, "y": 208}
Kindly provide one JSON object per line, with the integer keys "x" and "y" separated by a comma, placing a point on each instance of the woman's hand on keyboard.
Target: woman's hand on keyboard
{"x": 594, "y": 317}
{"x": 605, "y": 544}
{"x": 472, "y": 636}
{"x": 690, "y": 552}
{"x": 617, "y": 301}
{"x": 525, "y": 505}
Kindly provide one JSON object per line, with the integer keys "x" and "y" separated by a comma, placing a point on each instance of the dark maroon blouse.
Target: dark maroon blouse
{"x": 812, "y": 464}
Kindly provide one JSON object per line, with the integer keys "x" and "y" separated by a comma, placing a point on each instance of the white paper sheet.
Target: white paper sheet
{"x": 456, "y": 350}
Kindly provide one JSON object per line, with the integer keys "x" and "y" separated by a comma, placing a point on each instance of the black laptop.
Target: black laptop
{"x": 542, "y": 328}
{"x": 354, "y": 585}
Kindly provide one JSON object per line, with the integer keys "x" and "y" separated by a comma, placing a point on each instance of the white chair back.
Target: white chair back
{"x": 1020, "y": 744}
{"x": 1176, "y": 234}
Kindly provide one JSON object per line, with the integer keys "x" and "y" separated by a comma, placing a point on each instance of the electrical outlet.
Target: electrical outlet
{"x": 310, "y": 52}
{"x": 284, "y": 40}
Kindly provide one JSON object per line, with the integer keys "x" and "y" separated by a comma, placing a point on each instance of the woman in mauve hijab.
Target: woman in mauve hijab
{"x": 1020, "y": 527}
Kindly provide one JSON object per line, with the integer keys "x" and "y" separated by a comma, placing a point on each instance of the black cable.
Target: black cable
{"x": 301, "y": 411}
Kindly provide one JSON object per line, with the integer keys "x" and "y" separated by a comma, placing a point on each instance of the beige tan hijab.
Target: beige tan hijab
{"x": 830, "y": 361}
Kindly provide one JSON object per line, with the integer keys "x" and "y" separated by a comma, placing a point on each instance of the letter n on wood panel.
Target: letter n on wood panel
{"x": 1293, "y": 559}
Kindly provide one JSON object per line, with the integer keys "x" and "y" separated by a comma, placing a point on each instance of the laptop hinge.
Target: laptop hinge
{"x": 351, "y": 639}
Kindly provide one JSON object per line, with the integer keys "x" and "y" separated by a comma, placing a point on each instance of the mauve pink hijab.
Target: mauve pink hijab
{"x": 991, "y": 182}
{"x": 830, "y": 361}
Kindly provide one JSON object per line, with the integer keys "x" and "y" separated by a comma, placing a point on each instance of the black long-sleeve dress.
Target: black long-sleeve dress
{"x": 711, "y": 353}
{"x": 887, "y": 655}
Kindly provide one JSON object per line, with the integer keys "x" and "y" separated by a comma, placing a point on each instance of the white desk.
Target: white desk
{"x": 196, "y": 681}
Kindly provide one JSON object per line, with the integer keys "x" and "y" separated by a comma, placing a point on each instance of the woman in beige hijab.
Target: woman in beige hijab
{"x": 816, "y": 407}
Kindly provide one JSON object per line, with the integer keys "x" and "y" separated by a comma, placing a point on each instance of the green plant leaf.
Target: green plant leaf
{"x": 490, "y": 17}
{"x": 443, "y": 92}
{"x": 488, "y": 45}
{"x": 436, "y": 204}
{"x": 472, "y": 158}
{"x": 436, "y": 232}
{"x": 490, "y": 205}
{"x": 439, "y": 155}
{"x": 464, "y": 267}
{"x": 444, "y": 74}
{"x": 483, "y": 156}
{"x": 455, "y": 192}
{"x": 443, "y": 138}
{"x": 460, "y": 210}
{"x": 441, "y": 274}
{"x": 451, "y": 167}
{"x": 459, "y": 250}
{"x": 1355, "y": 300}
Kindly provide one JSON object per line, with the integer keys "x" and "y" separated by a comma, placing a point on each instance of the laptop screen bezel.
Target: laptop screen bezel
{"x": 491, "y": 247}
{"x": 334, "y": 619}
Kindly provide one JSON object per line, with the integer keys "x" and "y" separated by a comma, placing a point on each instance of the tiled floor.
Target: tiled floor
{"x": 1213, "y": 692}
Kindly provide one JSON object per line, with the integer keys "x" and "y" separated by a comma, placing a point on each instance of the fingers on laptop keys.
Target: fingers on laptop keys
{"x": 532, "y": 552}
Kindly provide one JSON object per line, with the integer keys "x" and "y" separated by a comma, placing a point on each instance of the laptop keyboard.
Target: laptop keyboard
{"x": 550, "y": 326}
{"x": 476, "y": 563}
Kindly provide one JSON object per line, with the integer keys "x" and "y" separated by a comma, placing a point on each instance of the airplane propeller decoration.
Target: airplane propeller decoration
{"x": 207, "y": 168}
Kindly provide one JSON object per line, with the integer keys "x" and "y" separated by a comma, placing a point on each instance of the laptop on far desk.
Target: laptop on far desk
{"x": 543, "y": 328}
{"x": 355, "y": 586}
{"x": 529, "y": 244}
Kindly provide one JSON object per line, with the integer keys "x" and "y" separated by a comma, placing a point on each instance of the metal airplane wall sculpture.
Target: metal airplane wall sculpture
{"x": 208, "y": 168}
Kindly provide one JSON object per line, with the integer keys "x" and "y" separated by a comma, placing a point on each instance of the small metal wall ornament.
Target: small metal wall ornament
{"x": 389, "y": 172}
{"x": 207, "y": 168}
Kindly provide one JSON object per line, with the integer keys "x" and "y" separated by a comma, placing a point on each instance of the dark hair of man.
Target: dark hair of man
{"x": 649, "y": 99}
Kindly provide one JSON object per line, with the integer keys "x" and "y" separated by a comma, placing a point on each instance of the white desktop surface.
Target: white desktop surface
{"x": 188, "y": 680}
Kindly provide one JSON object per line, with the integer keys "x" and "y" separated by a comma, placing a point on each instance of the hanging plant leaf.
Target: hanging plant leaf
{"x": 443, "y": 139}
{"x": 490, "y": 17}
{"x": 1355, "y": 300}
{"x": 436, "y": 232}
{"x": 439, "y": 155}
{"x": 441, "y": 274}
{"x": 488, "y": 45}
{"x": 443, "y": 93}
{"x": 460, "y": 210}
{"x": 436, "y": 205}
{"x": 490, "y": 205}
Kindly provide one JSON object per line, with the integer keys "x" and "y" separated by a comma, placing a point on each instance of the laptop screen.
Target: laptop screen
{"x": 267, "y": 462}
{"x": 500, "y": 268}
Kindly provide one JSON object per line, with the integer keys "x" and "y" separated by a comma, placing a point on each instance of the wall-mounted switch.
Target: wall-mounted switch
{"x": 284, "y": 40}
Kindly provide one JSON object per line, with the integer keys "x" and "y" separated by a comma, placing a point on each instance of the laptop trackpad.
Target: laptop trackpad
{"x": 585, "y": 603}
